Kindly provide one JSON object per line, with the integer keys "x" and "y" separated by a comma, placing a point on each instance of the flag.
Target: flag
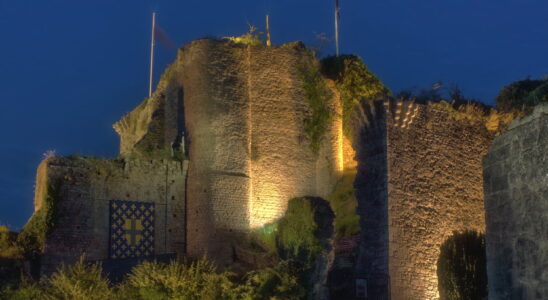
{"x": 161, "y": 36}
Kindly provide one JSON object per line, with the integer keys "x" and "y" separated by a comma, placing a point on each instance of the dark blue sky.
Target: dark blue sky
{"x": 69, "y": 69}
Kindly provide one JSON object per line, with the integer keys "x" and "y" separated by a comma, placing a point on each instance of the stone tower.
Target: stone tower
{"x": 419, "y": 178}
{"x": 218, "y": 150}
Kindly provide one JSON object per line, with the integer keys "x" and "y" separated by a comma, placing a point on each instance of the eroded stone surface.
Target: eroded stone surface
{"x": 419, "y": 178}
{"x": 84, "y": 189}
{"x": 516, "y": 204}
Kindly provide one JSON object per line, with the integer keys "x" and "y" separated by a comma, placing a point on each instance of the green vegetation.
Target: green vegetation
{"x": 355, "y": 83}
{"x": 296, "y": 235}
{"x": 8, "y": 246}
{"x": 33, "y": 237}
{"x": 319, "y": 97}
{"x": 522, "y": 94}
{"x": 196, "y": 280}
{"x": 462, "y": 273}
{"x": 250, "y": 38}
{"x": 480, "y": 115}
{"x": 78, "y": 281}
{"x": 278, "y": 282}
{"x": 344, "y": 204}
{"x": 152, "y": 280}
{"x": 294, "y": 239}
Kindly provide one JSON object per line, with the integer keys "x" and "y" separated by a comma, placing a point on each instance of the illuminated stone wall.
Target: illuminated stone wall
{"x": 249, "y": 154}
{"x": 516, "y": 205}
{"x": 83, "y": 190}
{"x": 428, "y": 184}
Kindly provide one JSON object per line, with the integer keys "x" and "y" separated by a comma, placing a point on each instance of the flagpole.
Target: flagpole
{"x": 337, "y": 27}
{"x": 152, "y": 53}
{"x": 268, "y": 42}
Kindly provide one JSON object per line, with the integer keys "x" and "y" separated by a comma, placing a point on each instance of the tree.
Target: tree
{"x": 516, "y": 94}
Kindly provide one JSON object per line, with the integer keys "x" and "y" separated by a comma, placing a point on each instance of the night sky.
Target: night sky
{"x": 70, "y": 69}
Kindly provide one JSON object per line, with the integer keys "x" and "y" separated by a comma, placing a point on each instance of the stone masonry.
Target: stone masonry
{"x": 516, "y": 205}
{"x": 219, "y": 148}
{"x": 419, "y": 179}
{"x": 83, "y": 189}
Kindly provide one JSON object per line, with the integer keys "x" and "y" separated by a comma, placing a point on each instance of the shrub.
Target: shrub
{"x": 278, "y": 282}
{"x": 78, "y": 281}
{"x": 296, "y": 237}
{"x": 355, "y": 83}
{"x": 462, "y": 273}
{"x": 251, "y": 37}
{"x": 8, "y": 246}
{"x": 318, "y": 96}
{"x": 32, "y": 238}
{"x": 344, "y": 203}
{"x": 26, "y": 291}
{"x": 196, "y": 280}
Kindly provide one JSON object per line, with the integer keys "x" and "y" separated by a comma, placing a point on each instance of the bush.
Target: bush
{"x": 26, "y": 291}
{"x": 344, "y": 203}
{"x": 78, "y": 281}
{"x": 8, "y": 245}
{"x": 279, "y": 282}
{"x": 296, "y": 236}
{"x": 32, "y": 238}
{"x": 251, "y": 37}
{"x": 462, "y": 273}
{"x": 197, "y": 280}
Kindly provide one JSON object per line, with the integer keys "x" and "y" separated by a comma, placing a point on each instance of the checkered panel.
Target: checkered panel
{"x": 131, "y": 229}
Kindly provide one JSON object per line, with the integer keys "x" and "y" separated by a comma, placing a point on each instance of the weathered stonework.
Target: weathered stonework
{"x": 249, "y": 154}
{"x": 516, "y": 205}
{"x": 238, "y": 113}
{"x": 419, "y": 178}
{"x": 84, "y": 188}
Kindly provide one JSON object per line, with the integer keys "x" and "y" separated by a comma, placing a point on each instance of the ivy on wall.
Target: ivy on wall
{"x": 355, "y": 83}
{"x": 319, "y": 97}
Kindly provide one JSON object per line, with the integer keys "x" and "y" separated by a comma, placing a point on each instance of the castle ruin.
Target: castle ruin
{"x": 220, "y": 148}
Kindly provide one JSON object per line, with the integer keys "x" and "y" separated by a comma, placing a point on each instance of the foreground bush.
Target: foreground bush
{"x": 78, "y": 281}
{"x": 196, "y": 280}
{"x": 279, "y": 282}
{"x": 462, "y": 273}
{"x": 154, "y": 280}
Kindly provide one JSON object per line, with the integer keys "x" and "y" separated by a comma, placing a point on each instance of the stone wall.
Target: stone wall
{"x": 419, "y": 179}
{"x": 516, "y": 205}
{"x": 84, "y": 187}
{"x": 249, "y": 154}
